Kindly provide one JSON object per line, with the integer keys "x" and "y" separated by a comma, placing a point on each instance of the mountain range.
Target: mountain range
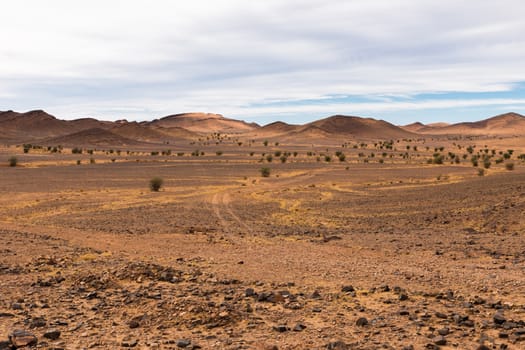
{"x": 40, "y": 127}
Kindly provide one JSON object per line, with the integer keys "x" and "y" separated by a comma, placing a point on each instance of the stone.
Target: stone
{"x": 20, "y": 338}
{"x": 441, "y": 315}
{"x": 403, "y": 296}
{"x": 361, "y": 322}
{"x": 443, "y": 331}
{"x": 299, "y": 327}
{"x": 52, "y": 334}
{"x": 499, "y": 318}
{"x": 281, "y": 328}
{"x": 183, "y": 343}
{"x": 337, "y": 345}
{"x": 439, "y": 340}
{"x": 347, "y": 289}
{"x": 129, "y": 343}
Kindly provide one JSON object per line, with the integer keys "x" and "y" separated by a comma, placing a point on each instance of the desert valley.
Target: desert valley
{"x": 199, "y": 231}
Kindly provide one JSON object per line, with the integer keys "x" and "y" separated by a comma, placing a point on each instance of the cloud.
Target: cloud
{"x": 233, "y": 57}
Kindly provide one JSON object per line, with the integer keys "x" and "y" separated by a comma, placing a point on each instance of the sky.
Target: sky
{"x": 262, "y": 61}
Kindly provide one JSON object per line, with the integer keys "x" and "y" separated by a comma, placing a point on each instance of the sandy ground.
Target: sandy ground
{"x": 349, "y": 254}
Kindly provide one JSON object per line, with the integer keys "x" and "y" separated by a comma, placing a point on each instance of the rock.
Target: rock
{"x": 5, "y": 345}
{"x": 52, "y": 334}
{"x": 482, "y": 347}
{"x": 403, "y": 296}
{"x": 361, "y": 322}
{"x": 441, "y": 315}
{"x": 439, "y": 340}
{"x": 129, "y": 343}
{"x": 299, "y": 327}
{"x": 347, "y": 289}
{"x": 134, "y": 324}
{"x": 443, "y": 331}
{"x": 249, "y": 292}
{"x": 183, "y": 343}
{"x": 16, "y": 306}
{"x": 37, "y": 322}
{"x": 337, "y": 345}
{"x": 281, "y": 328}
{"x": 499, "y": 318}
{"x": 20, "y": 338}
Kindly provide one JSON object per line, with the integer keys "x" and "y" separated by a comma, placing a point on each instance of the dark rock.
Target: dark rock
{"x": 408, "y": 347}
{"x": 347, "y": 289}
{"x": 281, "y": 328}
{"x": 20, "y": 338}
{"x": 337, "y": 345}
{"x": 403, "y": 296}
{"x": 404, "y": 312}
{"x": 16, "y": 306}
{"x": 38, "y": 322}
{"x": 52, "y": 334}
{"x": 299, "y": 327}
{"x": 183, "y": 343}
{"x": 482, "y": 347}
{"x": 129, "y": 343}
{"x": 5, "y": 345}
{"x": 134, "y": 324}
{"x": 249, "y": 292}
{"x": 361, "y": 322}
{"x": 315, "y": 295}
{"x": 443, "y": 331}
{"x": 439, "y": 340}
{"x": 499, "y": 318}
{"x": 441, "y": 315}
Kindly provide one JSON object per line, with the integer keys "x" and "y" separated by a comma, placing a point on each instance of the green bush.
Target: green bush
{"x": 155, "y": 184}
{"x": 13, "y": 161}
{"x": 265, "y": 172}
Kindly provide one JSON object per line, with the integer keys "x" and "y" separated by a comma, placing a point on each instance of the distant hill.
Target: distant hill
{"x": 360, "y": 127}
{"x": 91, "y": 137}
{"x": 205, "y": 123}
{"x": 503, "y": 124}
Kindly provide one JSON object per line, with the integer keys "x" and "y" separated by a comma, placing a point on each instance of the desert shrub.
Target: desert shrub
{"x": 265, "y": 143}
{"x": 155, "y": 184}
{"x": 91, "y": 160}
{"x": 269, "y": 158}
{"x": 521, "y": 156}
{"x": 13, "y": 161}
{"x": 78, "y": 161}
{"x": 195, "y": 153}
{"x": 481, "y": 172}
{"x": 509, "y": 166}
{"x": 474, "y": 160}
{"x": 277, "y": 153}
{"x": 265, "y": 172}
{"x": 295, "y": 154}
{"x": 113, "y": 160}
{"x": 219, "y": 153}
{"x": 76, "y": 150}
{"x": 251, "y": 154}
{"x": 283, "y": 159}
{"x": 438, "y": 158}
{"x": 90, "y": 151}
{"x": 180, "y": 154}
{"x": 506, "y": 155}
{"x": 327, "y": 158}
{"x": 341, "y": 157}
{"x": 486, "y": 163}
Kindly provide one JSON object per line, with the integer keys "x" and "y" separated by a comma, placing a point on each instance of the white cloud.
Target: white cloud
{"x": 102, "y": 57}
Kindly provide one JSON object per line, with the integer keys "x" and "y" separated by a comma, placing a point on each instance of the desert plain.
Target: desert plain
{"x": 348, "y": 241}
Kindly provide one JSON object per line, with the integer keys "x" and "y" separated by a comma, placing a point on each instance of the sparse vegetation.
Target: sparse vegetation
{"x": 265, "y": 172}
{"x": 13, "y": 161}
{"x": 509, "y": 166}
{"x": 155, "y": 184}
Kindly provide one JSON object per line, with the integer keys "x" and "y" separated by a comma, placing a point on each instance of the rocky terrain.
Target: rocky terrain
{"x": 360, "y": 244}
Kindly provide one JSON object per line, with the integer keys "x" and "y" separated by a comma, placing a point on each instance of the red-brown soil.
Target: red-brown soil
{"x": 376, "y": 249}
